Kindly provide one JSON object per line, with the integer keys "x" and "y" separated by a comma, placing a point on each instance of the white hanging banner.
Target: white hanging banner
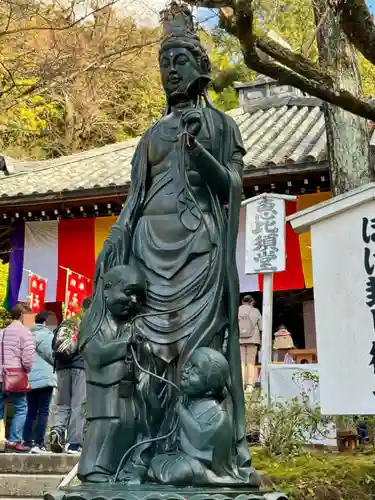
{"x": 343, "y": 257}
{"x": 265, "y": 235}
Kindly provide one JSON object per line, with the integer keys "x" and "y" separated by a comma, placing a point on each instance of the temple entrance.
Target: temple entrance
{"x": 288, "y": 311}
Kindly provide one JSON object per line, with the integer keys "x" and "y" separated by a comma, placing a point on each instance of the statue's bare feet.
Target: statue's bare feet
{"x": 135, "y": 481}
{"x": 129, "y": 478}
{"x": 97, "y": 477}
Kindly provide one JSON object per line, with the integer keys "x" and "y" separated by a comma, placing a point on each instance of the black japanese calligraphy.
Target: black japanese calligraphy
{"x": 372, "y": 352}
{"x": 368, "y": 238}
{"x": 370, "y": 291}
{"x": 265, "y": 249}
{"x": 367, "y": 259}
{"x": 367, "y": 235}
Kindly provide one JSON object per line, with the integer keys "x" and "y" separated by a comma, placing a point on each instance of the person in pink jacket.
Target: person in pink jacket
{"x": 19, "y": 352}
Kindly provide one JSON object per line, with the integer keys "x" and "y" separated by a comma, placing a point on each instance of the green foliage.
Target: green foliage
{"x": 26, "y": 124}
{"x": 367, "y": 71}
{"x": 284, "y": 426}
{"x": 96, "y": 82}
{"x": 5, "y": 318}
{"x": 294, "y": 21}
{"x": 291, "y": 20}
{"x": 88, "y": 84}
{"x": 70, "y": 86}
{"x": 319, "y": 476}
{"x": 225, "y": 100}
{"x": 227, "y": 67}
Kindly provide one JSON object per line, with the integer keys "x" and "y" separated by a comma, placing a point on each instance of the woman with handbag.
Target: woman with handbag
{"x": 42, "y": 380}
{"x": 17, "y": 349}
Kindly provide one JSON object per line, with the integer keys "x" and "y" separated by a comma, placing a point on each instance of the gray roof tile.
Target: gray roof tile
{"x": 101, "y": 167}
{"x": 274, "y": 136}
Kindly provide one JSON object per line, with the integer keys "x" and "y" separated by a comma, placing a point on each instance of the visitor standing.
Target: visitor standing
{"x": 71, "y": 388}
{"x": 250, "y": 326}
{"x": 17, "y": 349}
{"x": 42, "y": 380}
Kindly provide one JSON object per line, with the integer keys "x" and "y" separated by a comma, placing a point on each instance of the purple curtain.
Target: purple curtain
{"x": 15, "y": 264}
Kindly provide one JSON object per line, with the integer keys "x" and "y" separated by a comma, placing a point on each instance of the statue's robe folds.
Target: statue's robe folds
{"x": 188, "y": 259}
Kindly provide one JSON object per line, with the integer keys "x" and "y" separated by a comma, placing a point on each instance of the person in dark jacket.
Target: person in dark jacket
{"x": 42, "y": 380}
{"x": 71, "y": 396}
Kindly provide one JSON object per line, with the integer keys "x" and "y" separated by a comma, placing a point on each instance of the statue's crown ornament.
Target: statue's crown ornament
{"x": 180, "y": 30}
{"x": 178, "y": 21}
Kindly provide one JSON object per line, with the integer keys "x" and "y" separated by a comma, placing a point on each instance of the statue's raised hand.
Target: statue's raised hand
{"x": 192, "y": 121}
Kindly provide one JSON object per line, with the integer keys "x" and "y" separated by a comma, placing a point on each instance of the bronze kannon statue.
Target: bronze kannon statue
{"x": 177, "y": 232}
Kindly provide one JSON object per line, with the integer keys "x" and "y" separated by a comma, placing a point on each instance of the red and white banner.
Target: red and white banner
{"x": 76, "y": 290}
{"x": 37, "y": 293}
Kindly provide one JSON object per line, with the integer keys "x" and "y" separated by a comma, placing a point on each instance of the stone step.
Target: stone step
{"x": 37, "y": 464}
{"x": 27, "y": 485}
{"x": 20, "y": 498}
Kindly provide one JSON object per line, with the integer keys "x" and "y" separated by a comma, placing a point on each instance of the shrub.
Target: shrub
{"x": 285, "y": 426}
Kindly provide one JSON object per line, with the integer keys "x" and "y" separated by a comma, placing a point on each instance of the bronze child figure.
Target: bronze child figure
{"x": 206, "y": 428}
{"x": 104, "y": 341}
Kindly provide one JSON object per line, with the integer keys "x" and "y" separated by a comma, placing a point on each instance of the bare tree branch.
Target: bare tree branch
{"x": 299, "y": 72}
{"x": 307, "y": 48}
{"x": 58, "y": 79}
{"x": 293, "y": 61}
{"x": 92, "y": 83}
{"x": 357, "y": 23}
{"x": 51, "y": 27}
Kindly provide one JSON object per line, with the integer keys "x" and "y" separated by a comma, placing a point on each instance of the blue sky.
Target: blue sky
{"x": 205, "y": 16}
{"x": 208, "y": 18}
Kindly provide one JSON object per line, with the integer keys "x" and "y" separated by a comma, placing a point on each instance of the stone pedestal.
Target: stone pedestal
{"x": 156, "y": 492}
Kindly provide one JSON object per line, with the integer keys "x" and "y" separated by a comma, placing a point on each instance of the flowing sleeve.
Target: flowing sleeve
{"x": 237, "y": 150}
{"x": 116, "y": 248}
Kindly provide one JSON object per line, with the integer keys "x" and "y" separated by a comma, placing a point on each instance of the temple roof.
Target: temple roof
{"x": 98, "y": 168}
{"x": 278, "y": 136}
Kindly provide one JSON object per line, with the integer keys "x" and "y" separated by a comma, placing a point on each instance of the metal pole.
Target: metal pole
{"x": 75, "y": 272}
{"x": 68, "y": 273}
{"x": 266, "y": 335}
{"x": 33, "y": 274}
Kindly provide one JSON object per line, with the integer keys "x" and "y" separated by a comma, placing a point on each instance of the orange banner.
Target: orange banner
{"x": 102, "y": 227}
{"x": 305, "y": 201}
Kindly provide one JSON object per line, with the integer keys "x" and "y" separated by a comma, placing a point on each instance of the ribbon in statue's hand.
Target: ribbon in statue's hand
{"x": 192, "y": 121}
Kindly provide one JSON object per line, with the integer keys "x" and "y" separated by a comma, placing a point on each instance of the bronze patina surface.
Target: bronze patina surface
{"x": 161, "y": 340}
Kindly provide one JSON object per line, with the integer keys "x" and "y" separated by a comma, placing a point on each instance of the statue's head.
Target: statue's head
{"x": 124, "y": 291}
{"x": 206, "y": 373}
{"x": 184, "y": 63}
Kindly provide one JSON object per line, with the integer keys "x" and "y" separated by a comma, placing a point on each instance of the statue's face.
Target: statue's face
{"x": 193, "y": 378}
{"x": 124, "y": 299}
{"x": 178, "y": 68}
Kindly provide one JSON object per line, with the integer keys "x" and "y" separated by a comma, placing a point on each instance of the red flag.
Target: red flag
{"x": 37, "y": 293}
{"x": 77, "y": 290}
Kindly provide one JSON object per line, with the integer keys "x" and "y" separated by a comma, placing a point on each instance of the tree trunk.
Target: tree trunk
{"x": 71, "y": 139}
{"x": 347, "y": 134}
